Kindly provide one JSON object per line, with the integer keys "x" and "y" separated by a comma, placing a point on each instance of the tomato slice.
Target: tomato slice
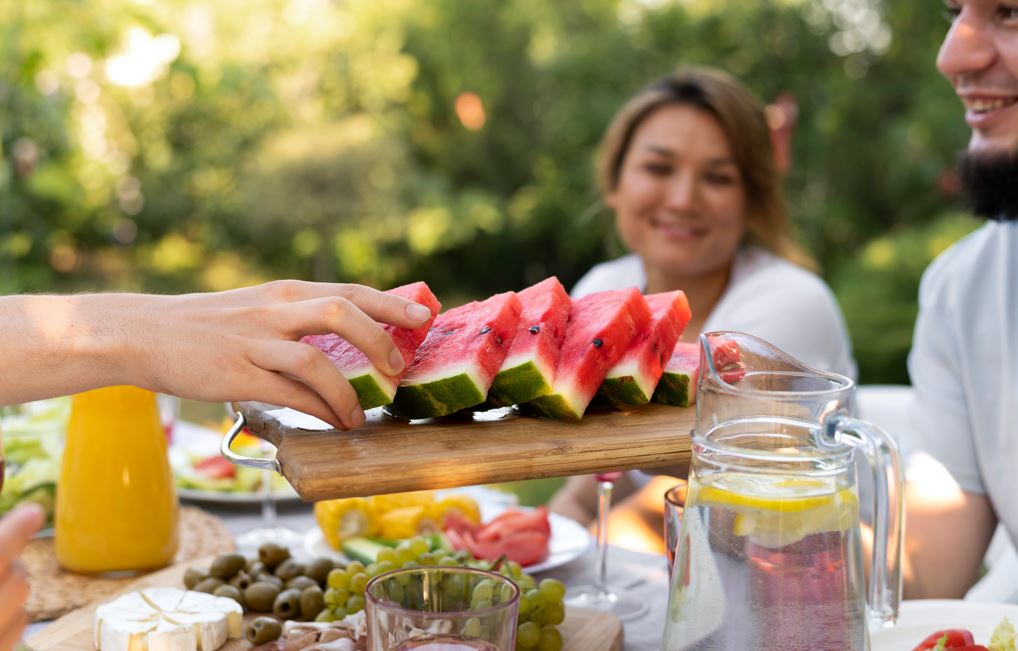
{"x": 216, "y": 467}
{"x": 957, "y": 638}
{"x": 512, "y": 521}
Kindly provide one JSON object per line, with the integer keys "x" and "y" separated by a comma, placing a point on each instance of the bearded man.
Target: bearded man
{"x": 963, "y": 456}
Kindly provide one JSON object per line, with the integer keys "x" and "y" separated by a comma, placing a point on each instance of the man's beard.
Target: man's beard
{"x": 989, "y": 183}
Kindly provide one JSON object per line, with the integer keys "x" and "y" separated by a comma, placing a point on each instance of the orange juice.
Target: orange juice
{"x": 116, "y": 504}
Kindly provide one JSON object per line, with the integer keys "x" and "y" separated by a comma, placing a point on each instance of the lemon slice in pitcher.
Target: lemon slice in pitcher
{"x": 777, "y": 510}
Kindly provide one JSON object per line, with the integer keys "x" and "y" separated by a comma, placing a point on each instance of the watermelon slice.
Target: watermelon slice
{"x": 529, "y": 368}
{"x": 373, "y": 387}
{"x": 456, "y": 364}
{"x": 678, "y": 382}
{"x": 601, "y": 326}
{"x": 633, "y": 378}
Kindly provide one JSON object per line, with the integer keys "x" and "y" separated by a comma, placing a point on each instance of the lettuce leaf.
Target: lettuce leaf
{"x": 1004, "y": 637}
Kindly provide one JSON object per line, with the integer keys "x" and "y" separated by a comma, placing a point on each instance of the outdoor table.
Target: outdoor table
{"x": 645, "y": 575}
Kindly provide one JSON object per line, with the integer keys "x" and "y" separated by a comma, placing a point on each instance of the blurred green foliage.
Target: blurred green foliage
{"x": 176, "y": 145}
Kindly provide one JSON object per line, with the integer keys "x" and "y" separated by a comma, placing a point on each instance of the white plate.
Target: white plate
{"x": 191, "y": 439}
{"x": 569, "y": 540}
{"x": 917, "y": 619}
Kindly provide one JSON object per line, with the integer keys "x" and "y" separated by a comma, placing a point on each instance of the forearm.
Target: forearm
{"x": 946, "y": 535}
{"x": 56, "y": 345}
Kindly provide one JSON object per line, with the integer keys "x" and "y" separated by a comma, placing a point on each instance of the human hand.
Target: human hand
{"x": 244, "y": 344}
{"x": 16, "y": 529}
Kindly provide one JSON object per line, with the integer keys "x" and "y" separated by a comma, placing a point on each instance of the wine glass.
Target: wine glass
{"x": 599, "y": 595}
{"x": 269, "y": 531}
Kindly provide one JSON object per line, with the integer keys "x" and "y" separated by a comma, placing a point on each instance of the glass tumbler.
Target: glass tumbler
{"x": 675, "y": 504}
{"x": 438, "y": 608}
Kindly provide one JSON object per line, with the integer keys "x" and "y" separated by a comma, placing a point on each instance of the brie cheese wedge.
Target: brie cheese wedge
{"x": 167, "y": 619}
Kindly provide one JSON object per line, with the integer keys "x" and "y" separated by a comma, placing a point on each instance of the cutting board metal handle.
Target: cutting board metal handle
{"x": 238, "y": 460}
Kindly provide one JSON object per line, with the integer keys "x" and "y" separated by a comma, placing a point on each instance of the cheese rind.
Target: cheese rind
{"x": 167, "y": 619}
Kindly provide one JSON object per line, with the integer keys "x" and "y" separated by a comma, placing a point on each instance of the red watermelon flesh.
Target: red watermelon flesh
{"x": 601, "y": 326}
{"x": 529, "y": 368}
{"x": 678, "y": 382}
{"x": 631, "y": 381}
{"x": 456, "y": 364}
{"x": 373, "y": 387}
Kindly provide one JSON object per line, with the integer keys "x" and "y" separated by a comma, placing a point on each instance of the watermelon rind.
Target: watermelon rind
{"x": 373, "y": 388}
{"x": 521, "y": 380}
{"x": 626, "y": 386}
{"x": 674, "y": 389}
{"x": 438, "y": 397}
{"x": 566, "y": 404}
{"x": 677, "y": 386}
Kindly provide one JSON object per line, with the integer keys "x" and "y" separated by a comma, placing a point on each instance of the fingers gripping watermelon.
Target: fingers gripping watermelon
{"x": 373, "y": 387}
{"x": 455, "y": 366}
{"x": 677, "y": 385}
{"x": 600, "y": 328}
{"x": 529, "y": 368}
{"x": 632, "y": 379}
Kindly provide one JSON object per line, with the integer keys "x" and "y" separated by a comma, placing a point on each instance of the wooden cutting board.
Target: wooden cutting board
{"x": 386, "y": 455}
{"x": 582, "y": 630}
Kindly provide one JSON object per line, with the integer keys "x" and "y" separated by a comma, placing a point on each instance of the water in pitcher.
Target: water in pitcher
{"x": 444, "y": 643}
{"x": 777, "y": 553}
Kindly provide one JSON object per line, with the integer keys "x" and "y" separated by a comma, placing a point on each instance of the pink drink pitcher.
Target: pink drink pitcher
{"x": 769, "y": 553}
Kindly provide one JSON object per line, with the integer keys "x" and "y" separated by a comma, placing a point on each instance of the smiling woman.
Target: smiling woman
{"x": 687, "y": 166}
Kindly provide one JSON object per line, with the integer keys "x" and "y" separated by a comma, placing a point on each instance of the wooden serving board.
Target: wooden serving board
{"x": 386, "y": 455}
{"x": 582, "y": 630}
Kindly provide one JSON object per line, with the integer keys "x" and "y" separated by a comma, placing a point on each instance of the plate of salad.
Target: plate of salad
{"x": 481, "y": 521}
{"x": 33, "y": 442}
{"x": 202, "y": 474}
{"x": 949, "y": 624}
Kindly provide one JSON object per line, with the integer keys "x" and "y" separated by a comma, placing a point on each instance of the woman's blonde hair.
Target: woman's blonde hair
{"x": 742, "y": 118}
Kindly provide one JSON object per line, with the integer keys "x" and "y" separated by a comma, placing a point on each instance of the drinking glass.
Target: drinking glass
{"x": 675, "y": 503}
{"x": 599, "y": 595}
{"x": 439, "y": 608}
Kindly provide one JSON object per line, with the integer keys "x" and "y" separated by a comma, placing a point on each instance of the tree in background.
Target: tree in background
{"x": 179, "y": 145}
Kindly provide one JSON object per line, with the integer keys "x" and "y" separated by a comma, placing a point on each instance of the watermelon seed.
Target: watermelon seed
{"x": 498, "y": 340}
{"x": 485, "y": 330}
{"x": 598, "y": 343}
{"x": 535, "y": 329}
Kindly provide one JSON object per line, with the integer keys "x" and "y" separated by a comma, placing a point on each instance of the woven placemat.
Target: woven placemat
{"x": 56, "y": 591}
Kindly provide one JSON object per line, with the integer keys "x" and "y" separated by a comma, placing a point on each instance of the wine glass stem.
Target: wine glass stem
{"x": 268, "y": 504}
{"x": 604, "y": 502}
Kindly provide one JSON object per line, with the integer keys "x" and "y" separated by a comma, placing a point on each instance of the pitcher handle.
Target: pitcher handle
{"x": 884, "y": 458}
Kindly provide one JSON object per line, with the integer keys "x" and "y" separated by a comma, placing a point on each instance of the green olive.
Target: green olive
{"x": 255, "y": 567}
{"x": 260, "y": 596}
{"x": 270, "y": 578}
{"x": 263, "y": 630}
{"x": 287, "y": 604}
{"x": 242, "y": 580}
{"x": 193, "y": 576}
{"x": 231, "y": 592}
{"x": 319, "y": 569}
{"x": 208, "y": 584}
{"x": 312, "y": 602}
{"x": 271, "y": 555}
{"x": 289, "y": 569}
{"x": 225, "y": 566}
{"x": 301, "y": 582}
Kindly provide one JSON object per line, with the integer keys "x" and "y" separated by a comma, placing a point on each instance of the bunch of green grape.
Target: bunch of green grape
{"x": 541, "y": 604}
{"x": 542, "y": 609}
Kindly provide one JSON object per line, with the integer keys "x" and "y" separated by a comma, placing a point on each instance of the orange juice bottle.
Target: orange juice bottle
{"x": 116, "y": 504}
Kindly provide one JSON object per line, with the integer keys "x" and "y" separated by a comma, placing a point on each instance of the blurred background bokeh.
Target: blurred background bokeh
{"x": 173, "y": 145}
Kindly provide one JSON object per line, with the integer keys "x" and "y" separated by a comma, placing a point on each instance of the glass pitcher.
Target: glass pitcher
{"x": 769, "y": 556}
